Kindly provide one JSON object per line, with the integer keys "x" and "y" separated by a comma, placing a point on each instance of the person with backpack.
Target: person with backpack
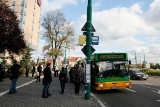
{"x": 77, "y": 79}
{"x": 15, "y": 72}
{"x": 62, "y": 78}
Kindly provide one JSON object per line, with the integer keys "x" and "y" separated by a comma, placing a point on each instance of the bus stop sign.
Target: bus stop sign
{"x": 84, "y": 50}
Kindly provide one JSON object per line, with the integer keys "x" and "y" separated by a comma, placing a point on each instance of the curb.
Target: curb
{"x": 101, "y": 104}
{"x": 99, "y": 101}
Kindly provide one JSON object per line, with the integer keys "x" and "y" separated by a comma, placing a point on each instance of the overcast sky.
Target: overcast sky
{"x": 122, "y": 25}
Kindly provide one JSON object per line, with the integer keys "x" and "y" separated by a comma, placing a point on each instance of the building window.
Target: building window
{"x": 22, "y": 4}
{"x": 13, "y": 3}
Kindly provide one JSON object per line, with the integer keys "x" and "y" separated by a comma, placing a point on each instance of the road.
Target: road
{"x": 144, "y": 93}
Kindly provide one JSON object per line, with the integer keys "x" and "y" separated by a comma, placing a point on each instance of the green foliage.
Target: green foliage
{"x": 26, "y": 58}
{"x": 152, "y": 72}
{"x": 58, "y": 33}
{"x": 155, "y": 73}
{"x": 156, "y": 66}
{"x": 11, "y": 36}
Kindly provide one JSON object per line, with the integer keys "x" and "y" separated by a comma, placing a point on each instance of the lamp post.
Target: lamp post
{"x": 88, "y": 49}
{"x": 65, "y": 60}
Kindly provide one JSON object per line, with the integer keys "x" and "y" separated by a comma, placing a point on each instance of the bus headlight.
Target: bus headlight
{"x": 101, "y": 85}
{"x": 127, "y": 84}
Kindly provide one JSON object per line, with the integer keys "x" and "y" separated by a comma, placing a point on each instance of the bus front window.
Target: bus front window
{"x": 111, "y": 70}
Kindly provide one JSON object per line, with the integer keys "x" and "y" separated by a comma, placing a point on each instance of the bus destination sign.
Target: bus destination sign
{"x": 112, "y": 56}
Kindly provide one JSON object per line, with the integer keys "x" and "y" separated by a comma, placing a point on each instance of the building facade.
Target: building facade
{"x": 28, "y": 13}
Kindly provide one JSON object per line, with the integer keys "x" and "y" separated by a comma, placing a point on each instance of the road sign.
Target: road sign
{"x": 84, "y": 28}
{"x": 82, "y": 40}
{"x": 84, "y": 50}
{"x": 95, "y": 40}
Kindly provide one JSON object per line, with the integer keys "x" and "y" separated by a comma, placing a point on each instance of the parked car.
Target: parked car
{"x": 136, "y": 74}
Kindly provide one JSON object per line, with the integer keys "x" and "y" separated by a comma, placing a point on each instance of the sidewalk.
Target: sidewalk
{"x": 5, "y": 85}
{"x": 30, "y": 95}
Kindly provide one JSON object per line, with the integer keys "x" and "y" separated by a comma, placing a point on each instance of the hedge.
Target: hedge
{"x": 151, "y": 72}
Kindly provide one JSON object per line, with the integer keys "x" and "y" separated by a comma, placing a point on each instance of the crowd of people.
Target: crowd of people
{"x": 76, "y": 76}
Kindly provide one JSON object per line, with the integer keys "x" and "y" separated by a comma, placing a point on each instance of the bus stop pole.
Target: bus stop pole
{"x": 88, "y": 49}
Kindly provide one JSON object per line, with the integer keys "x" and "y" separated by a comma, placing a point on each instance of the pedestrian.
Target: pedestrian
{"x": 2, "y": 70}
{"x": 71, "y": 74}
{"x": 15, "y": 72}
{"x": 27, "y": 70}
{"x": 56, "y": 71}
{"x": 62, "y": 78}
{"x": 39, "y": 71}
{"x": 33, "y": 70}
{"x": 77, "y": 79}
{"x": 82, "y": 71}
{"x": 46, "y": 81}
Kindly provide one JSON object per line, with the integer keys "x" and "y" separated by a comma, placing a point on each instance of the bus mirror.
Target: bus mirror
{"x": 129, "y": 62}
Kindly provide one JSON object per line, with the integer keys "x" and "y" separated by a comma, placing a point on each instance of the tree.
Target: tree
{"x": 11, "y": 37}
{"x": 26, "y": 57}
{"x": 58, "y": 32}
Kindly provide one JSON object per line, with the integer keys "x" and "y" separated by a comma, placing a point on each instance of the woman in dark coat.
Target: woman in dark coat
{"x": 39, "y": 69}
{"x": 62, "y": 78}
{"x": 46, "y": 81}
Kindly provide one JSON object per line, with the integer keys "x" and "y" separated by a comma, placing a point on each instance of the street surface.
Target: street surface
{"x": 144, "y": 93}
{"x": 30, "y": 95}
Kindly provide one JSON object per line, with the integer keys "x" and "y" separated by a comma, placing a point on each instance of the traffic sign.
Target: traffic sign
{"x": 84, "y": 28}
{"x": 82, "y": 40}
{"x": 95, "y": 40}
{"x": 84, "y": 50}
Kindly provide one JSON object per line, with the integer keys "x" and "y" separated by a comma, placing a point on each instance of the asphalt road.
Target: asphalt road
{"x": 144, "y": 93}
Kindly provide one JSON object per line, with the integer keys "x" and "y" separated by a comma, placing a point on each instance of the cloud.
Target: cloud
{"x": 96, "y": 5}
{"x": 123, "y": 29}
{"x": 56, "y": 4}
{"x": 152, "y": 16}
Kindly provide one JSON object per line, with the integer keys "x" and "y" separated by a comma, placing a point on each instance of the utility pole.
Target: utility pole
{"x": 136, "y": 59}
{"x": 88, "y": 49}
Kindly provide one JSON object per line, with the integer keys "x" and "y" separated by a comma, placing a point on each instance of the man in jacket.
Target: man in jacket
{"x": 46, "y": 81}
{"x": 15, "y": 72}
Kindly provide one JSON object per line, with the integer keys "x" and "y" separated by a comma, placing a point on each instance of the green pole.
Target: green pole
{"x": 88, "y": 49}
{"x": 65, "y": 60}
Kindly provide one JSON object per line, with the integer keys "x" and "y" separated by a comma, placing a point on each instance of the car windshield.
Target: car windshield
{"x": 136, "y": 71}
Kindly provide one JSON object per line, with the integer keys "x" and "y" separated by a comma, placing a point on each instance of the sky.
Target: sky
{"x": 131, "y": 26}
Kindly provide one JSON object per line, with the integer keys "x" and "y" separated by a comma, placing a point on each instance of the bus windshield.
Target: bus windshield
{"x": 112, "y": 69}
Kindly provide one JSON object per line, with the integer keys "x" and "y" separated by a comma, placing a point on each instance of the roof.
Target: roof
{"x": 73, "y": 59}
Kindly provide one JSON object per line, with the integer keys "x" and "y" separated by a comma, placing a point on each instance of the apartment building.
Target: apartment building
{"x": 28, "y": 13}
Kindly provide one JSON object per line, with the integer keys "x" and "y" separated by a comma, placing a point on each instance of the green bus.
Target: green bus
{"x": 110, "y": 71}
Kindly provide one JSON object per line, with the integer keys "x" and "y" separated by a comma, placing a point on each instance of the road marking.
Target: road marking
{"x": 149, "y": 87}
{"x": 148, "y": 83}
{"x": 152, "y": 84}
{"x": 156, "y": 91}
{"x": 130, "y": 90}
{"x": 5, "y": 92}
{"x": 152, "y": 89}
{"x": 102, "y": 105}
{"x": 158, "y": 100}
